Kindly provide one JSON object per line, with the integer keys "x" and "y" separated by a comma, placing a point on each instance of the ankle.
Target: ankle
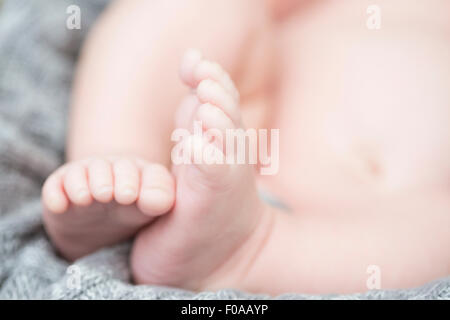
{"x": 234, "y": 272}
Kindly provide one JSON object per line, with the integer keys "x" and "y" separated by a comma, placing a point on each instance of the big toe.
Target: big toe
{"x": 157, "y": 193}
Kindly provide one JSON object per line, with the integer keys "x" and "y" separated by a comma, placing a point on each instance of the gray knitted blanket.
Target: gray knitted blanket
{"x": 37, "y": 56}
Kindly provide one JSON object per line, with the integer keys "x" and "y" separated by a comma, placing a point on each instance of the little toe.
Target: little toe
{"x": 157, "y": 194}
{"x": 53, "y": 197}
{"x": 76, "y": 185}
{"x": 126, "y": 181}
{"x": 101, "y": 180}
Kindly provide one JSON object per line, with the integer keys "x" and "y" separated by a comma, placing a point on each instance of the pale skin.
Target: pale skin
{"x": 381, "y": 198}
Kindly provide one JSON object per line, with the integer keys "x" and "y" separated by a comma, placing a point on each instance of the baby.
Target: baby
{"x": 364, "y": 144}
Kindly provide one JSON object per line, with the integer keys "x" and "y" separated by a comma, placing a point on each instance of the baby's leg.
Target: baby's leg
{"x": 124, "y": 98}
{"x": 218, "y": 223}
{"x": 220, "y": 234}
{"x": 126, "y": 90}
{"x": 397, "y": 242}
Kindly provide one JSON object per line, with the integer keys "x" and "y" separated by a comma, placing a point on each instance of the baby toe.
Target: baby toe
{"x": 208, "y": 161}
{"x": 53, "y": 196}
{"x": 211, "y": 70}
{"x": 189, "y": 62}
{"x": 209, "y": 91}
{"x": 101, "y": 180}
{"x": 157, "y": 194}
{"x": 126, "y": 181}
{"x": 76, "y": 185}
{"x": 213, "y": 117}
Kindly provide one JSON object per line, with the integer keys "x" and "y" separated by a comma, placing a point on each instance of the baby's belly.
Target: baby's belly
{"x": 361, "y": 115}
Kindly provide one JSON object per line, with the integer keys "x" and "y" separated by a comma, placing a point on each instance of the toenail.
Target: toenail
{"x": 129, "y": 192}
{"x": 105, "y": 190}
{"x": 83, "y": 194}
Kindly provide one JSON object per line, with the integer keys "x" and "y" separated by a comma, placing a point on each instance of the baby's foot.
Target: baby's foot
{"x": 217, "y": 225}
{"x": 98, "y": 202}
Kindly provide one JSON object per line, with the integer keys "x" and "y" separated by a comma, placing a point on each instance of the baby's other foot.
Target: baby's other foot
{"x": 97, "y": 202}
{"x": 218, "y": 223}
